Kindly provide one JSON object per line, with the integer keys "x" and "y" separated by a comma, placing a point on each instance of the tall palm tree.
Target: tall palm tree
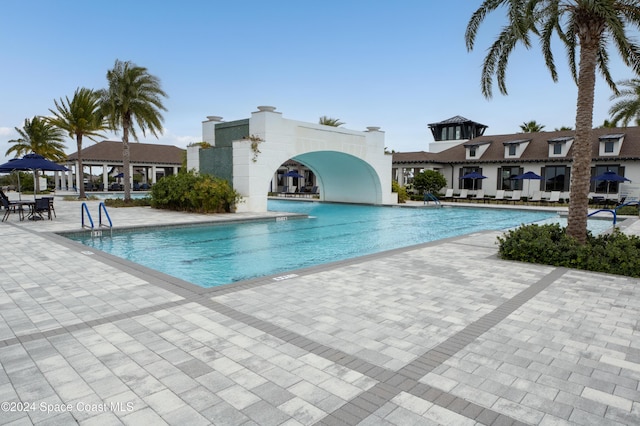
{"x": 591, "y": 26}
{"x": 79, "y": 117}
{"x": 328, "y": 121}
{"x": 531, "y": 127}
{"x": 40, "y": 136}
{"x": 133, "y": 97}
{"x": 627, "y": 109}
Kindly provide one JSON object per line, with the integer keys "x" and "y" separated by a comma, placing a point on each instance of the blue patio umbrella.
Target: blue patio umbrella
{"x": 473, "y": 175}
{"x": 293, "y": 173}
{"x": 11, "y": 170}
{"x": 528, "y": 176}
{"x": 608, "y": 177}
{"x": 32, "y": 162}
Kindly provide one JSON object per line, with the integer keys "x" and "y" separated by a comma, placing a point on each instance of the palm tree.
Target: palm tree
{"x": 562, "y": 128}
{"x": 133, "y": 97}
{"x": 79, "y": 117}
{"x": 328, "y": 121}
{"x": 531, "y": 127}
{"x": 590, "y": 26}
{"x": 38, "y": 135}
{"x": 627, "y": 108}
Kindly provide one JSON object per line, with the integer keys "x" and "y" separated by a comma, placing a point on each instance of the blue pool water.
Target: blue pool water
{"x": 221, "y": 254}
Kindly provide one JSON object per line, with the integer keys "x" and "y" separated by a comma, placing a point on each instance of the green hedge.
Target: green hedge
{"x": 194, "y": 193}
{"x": 614, "y": 253}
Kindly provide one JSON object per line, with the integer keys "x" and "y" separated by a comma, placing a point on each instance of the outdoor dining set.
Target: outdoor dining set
{"x": 37, "y": 209}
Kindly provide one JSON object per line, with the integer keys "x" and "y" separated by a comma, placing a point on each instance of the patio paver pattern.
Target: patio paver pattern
{"x": 440, "y": 333}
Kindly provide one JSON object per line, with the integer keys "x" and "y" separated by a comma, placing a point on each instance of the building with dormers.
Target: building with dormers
{"x": 548, "y": 154}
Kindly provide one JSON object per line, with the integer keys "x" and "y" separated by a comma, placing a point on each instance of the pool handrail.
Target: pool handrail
{"x": 613, "y": 212}
{"x": 101, "y": 208}
{"x": 430, "y": 197}
{"x": 84, "y": 209}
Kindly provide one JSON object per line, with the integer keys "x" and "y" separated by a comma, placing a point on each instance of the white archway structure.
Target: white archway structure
{"x": 350, "y": 166}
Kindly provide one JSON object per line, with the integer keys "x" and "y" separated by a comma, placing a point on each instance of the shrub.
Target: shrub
{"x": 401, "y": 190}
{"x": 628, "y": 210}
{"x": 134, "y": 202}
{"x": 429, "y": 181}
{"x": 196, "y": 193}
{"x": 614, "y": 253}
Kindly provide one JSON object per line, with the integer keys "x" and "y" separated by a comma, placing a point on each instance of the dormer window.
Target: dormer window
{"x": 610, "y": 144}
{"x": 559, "y": 147}
{"x": 514, "y": 149}
{"x": 476, "y": 150}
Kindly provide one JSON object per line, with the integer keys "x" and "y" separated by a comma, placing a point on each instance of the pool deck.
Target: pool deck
{"x": 439, "y": 333}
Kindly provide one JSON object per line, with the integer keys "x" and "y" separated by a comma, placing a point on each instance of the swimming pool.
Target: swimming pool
{"x": 221, "y": 254}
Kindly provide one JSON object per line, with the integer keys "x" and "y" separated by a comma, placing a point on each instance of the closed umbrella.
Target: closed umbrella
{"x": 473, "y": 175}
{"x": 528, "y": 176}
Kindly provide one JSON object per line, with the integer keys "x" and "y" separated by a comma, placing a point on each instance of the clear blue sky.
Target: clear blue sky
{"x": 395, "y": 64}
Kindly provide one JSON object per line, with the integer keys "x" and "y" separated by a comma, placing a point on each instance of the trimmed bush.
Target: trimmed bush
{"x": 401, "y": 190}
{"x": 194, "y": 193}
{"x": 614, "y": 253}
{"x": 134, "y": 202}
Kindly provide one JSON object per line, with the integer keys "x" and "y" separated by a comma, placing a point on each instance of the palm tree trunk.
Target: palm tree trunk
{"x": 581, "y": 169}
{"x": 126, "y": 156}
{"x": 82, "y": 195}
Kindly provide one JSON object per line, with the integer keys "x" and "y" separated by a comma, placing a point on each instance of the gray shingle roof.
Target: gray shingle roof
{"x": 149, "y": 153}
{"x": 537, "y": 149}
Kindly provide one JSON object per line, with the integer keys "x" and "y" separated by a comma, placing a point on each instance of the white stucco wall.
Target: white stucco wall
{"x": 350, "y": 166}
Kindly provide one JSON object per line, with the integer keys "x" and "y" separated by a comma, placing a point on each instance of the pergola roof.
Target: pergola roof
{"x": 141, "y": 153}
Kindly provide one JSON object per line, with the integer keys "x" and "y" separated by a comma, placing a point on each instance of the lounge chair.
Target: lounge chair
{"x": 448, "y": 195}
{"x": 515, "y": 196}
{"x": 536, "y": 197}
{"x": 478, "y": 196}
{"x": 11, "y": 208}
{"x": 463, "y": 195}
{"x": 499, "y": 195}
{"x": 553, "y": 198}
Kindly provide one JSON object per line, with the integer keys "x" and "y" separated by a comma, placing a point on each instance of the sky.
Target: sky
{"x": 399, "y": 65}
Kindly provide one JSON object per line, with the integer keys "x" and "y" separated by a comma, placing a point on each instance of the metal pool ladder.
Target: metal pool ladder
{"x": 96, "y": 232}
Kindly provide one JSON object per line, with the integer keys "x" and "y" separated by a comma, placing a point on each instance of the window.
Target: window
{"x": 556, "y": 178}
{"x": 601, "y": 186}
{"x": 505, "y": 180}
{"x": 608, "y": 146}
{"x": 472, "y": 151}
{"x": 557, "y": 148}
{"x": 513, "y": 149}
{"x": 470, "y": 183}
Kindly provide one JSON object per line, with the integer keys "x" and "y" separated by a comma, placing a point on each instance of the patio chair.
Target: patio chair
{"x": 51, "y": 208}
{"x": 42, "y": 206}
{"x": 11, "y": 208}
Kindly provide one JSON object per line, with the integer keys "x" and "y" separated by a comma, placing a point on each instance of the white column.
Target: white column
{"x": 105, "y": 176}
{"x": 175, "y": 170}
{"x": 79, "y": 177}
{"x": 153, "y": 174}
{"x": 69, "y": 178}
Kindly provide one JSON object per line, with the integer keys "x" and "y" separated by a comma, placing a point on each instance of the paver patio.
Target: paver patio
{"x": 440, "y": 333}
